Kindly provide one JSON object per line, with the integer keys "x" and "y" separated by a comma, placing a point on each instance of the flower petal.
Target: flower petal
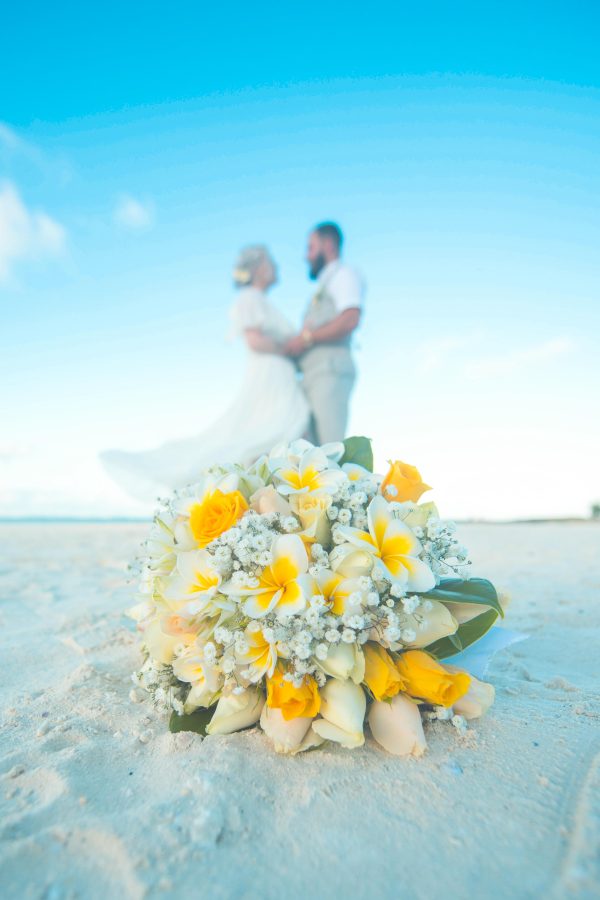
{"x": 379, "y": 518}
{"x": 289, "y": 558}
{"x": 330, "y": 732}
{"x": 397, "y": 726}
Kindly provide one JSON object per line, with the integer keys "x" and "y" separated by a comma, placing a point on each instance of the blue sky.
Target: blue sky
{"x": 460, "y": 152}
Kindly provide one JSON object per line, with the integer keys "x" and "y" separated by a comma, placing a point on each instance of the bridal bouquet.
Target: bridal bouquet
{"x": 310, "y": 595}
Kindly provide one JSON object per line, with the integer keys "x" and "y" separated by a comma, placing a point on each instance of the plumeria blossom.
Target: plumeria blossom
{"x": 313, "y": 471}
{"x": 294, "y": 452}
{"x": 354, "y": 472}
{"x": 295, "y": 594}
{"x": 195, "y": 577}
{"x": 393, "y": 545}
{"x": 340, "y": 593}
{"x": 283, "y": 586}
{"x": 204, "y": 677}
{"x": 261, "y": 655}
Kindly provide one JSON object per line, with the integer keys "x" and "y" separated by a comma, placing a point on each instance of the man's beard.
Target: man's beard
{"x": 316, "y": 266}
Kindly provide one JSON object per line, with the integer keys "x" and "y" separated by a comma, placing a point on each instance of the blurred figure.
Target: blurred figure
{"x": 270, "y": 407}
{"x": 323, "y": 347}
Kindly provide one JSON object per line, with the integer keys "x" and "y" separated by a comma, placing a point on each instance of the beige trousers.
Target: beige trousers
{"x": 328, "y": 386}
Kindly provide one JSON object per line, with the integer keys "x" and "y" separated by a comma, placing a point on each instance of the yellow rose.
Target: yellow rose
{"x": 311, "y": 509}
{"x": 294, "y": 702}
{"x": 427, "y": 680}
{"x": 405, "y": 482}
{"x": 381, "y": 675}
{"x": 216, "y": 514}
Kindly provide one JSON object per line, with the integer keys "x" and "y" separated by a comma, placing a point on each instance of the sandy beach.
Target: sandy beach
{"x": 99, "y": 800}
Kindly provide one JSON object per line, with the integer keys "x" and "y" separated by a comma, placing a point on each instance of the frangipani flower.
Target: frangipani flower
{"x": 294, "y": 702}
{"x": 288, "y": 735}
{"x": 397, "y": 726}
{"x": 195, "y": 577}
{"x": 338, "y": 591}
{"x": 294, "y": 452}
{"x": 343, "y": 706}
{"x": 403, "y": 482}
{"x": 261, "y": 656}
{"x": 428, "y": 680}
{"x": 193, "y": 667}
{"x": 205, "y": 678}
{"x": 356, "y": 472}
{"x": 284, "y": 585}
{"x": 313, "y": 472}
{"x": 393, "y": 546}
{"x": 236, "y": 711}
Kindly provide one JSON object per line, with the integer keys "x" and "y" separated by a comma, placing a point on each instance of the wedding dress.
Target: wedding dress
{"x": 270, "y": 408}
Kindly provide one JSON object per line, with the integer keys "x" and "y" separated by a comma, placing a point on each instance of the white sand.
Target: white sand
{"x": 99, "y": 800}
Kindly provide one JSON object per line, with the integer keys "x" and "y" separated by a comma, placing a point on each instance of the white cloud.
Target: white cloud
{"x": 25, "y": 234}
{"x": 519, "y": 359}
{"x": 136, "y": 215}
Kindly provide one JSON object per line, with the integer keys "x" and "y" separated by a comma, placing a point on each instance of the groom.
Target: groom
{"x": 323, "y": 346}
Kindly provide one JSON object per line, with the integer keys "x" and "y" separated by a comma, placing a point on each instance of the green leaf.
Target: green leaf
{"x": 475, "y": 590}
{"x": 454, "y": 639}
{"x": 358, "y": 450}
{"x": 196, "y": 721}
{"x": 466, "y": 635}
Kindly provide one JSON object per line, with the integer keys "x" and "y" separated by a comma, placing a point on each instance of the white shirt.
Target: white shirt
{"x": 344, "y": 285}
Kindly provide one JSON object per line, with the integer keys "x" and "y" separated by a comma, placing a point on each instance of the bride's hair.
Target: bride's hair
{"x": 249, "y": 259}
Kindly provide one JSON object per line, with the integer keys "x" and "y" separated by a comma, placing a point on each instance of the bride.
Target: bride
{"x": 270, "y": 407}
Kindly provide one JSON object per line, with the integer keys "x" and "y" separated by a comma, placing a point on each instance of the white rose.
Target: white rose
{"x": 352, "y": 563}
{"x": 477, "y": 700}
{"x": 236, "y": 711}
{"x": 464, "y": 612}
{"x": 311, "y": 509}
{"x": 343, "y": 706}
{"x": 344, "y": 661}
{"x": 199, "y": 695}
{"x": 288, "y": 735}
{"x": 397, "y": 726}
{"x": 266, "y": 500}
{"x": 439, "y": 623}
